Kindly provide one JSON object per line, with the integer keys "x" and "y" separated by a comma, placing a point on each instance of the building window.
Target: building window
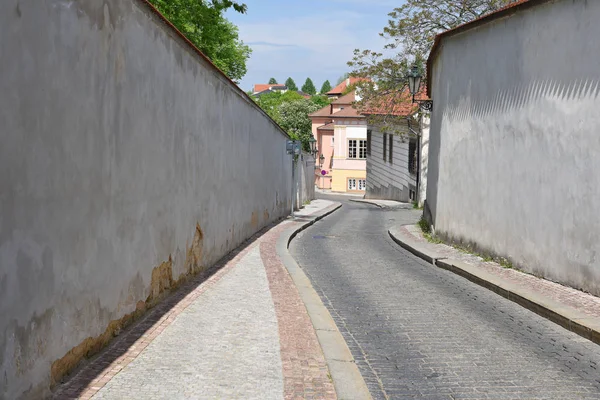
{"x": 351, "y": 184}
{"x": 412, "y": 156}
{"x": 362, "y": 149}
{"x": 369, "y": 142}
{"x": 385, "y": 147}
{"x": 357, "y": 148}
{"x": 357, "y": 184}
{"x": 391, "y": 149}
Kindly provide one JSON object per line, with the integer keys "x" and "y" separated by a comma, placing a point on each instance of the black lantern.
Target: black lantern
{"x": 414, "y": 85}
{"x": 313, "y": 146}
{"x": 414, "y": 81}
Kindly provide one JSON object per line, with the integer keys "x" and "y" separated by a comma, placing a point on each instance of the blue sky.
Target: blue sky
{"x": 308, "y": 38}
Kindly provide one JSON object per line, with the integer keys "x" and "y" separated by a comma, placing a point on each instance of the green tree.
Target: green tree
{"x": 270, "y": 102}
{"x": 293, "y": 118}
{"x": 326, "y": 87}
{"x": 411, "y": 30}
{"x": 272, "y": 81}
{"x": 291, "y": 85}
{"x": 290, "y": 110}
{"x": 309, "y": 87}
{"x": 203, "y": 23}
{"x": 320, "y": 100}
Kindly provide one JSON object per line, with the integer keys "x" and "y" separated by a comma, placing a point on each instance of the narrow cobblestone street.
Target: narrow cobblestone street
{"x": 417, "y": 331}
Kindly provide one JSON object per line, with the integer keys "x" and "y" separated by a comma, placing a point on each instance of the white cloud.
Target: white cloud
{"x": 318, "y": 46}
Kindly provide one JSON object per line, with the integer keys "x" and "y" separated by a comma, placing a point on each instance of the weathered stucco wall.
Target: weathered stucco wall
{"x": 128, "y": 162}
{"x": 513, "y": 161}
{"x": 305, "y": 182}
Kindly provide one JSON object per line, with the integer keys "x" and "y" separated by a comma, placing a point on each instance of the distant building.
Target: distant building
{"x": 342, "y": 87}
{"x": 396, "y": 155}
{"x": 263, "y": 87}
{"x": 341, "y": 134}
{"x": 260, "y": 89}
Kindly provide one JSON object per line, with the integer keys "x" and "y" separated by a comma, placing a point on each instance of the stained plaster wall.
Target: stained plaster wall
{"x": 121, "y": 150}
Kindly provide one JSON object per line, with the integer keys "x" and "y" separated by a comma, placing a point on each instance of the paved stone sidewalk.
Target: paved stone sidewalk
{"x": 242, "y": 333}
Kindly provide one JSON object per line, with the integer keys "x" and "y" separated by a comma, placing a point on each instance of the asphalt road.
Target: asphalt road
{"x": 417, "y": 331}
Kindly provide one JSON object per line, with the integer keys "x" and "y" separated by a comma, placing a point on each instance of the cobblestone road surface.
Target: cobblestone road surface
{"x": 418, "y": 331}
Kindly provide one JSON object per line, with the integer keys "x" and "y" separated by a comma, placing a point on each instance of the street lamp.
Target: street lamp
{"x": 313, "y": 146}
{"x": 414, "y": 85}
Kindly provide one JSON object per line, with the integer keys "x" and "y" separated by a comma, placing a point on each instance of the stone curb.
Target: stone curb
{"x": 367, "y": 202}
{"x": 565, "y": 316}
{"x": 347, "y": 379}
{"x": 414, "y": 247}
{"x": 375, "y": 203}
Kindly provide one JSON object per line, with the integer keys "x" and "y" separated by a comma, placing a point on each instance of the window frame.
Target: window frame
{"x": 359, "y": 144}
{"x": 391, "y": 148}
{"x": 412, "y": 156}
{"x": 385, "y": 147}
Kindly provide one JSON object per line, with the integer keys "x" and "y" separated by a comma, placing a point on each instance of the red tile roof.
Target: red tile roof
{"x": 348, "y": 112}
{"x": 339, "y": 89}
{"x": 506, "y": 11}
{"x": 323, "y": 112}
{"x": 400, "y": 105}
{"x": 346, "y": 99}
{"x": 261, "y": 87}
{"x": 327, "y": 127}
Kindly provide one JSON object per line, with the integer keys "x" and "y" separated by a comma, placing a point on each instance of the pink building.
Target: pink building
{"x": 341, "y": 134}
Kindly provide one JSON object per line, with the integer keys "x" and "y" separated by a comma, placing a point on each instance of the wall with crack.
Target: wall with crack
{"x": 513, "y": 161}
{"x": 128, "y": 163}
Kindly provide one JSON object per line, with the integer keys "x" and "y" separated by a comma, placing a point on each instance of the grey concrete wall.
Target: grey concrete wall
{"x": 389, "y": 180}
{"x": 513, "y": 161}
{"x": 305, "y": 168}
{"x": 121, "y": 150}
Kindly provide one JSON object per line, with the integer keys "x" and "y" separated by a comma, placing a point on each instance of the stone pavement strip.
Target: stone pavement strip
{"x": 571, "y": 308}
{"x": 243, "y": 333}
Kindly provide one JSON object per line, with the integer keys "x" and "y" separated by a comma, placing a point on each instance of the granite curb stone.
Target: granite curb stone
{"x": 563, "y": 315}
{"x": 347, "y": 379}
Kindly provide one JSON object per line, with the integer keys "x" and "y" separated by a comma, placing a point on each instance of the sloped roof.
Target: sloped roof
{"x": 339, "y": 89}
{"x": 506, "y": 11}
{"x": 323, "y": 112}
{"x": 346, "y": 99}
{"x": 327, "y": 127}
{"x": 261, "y": 87}
{"x": 348, "y": 112}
